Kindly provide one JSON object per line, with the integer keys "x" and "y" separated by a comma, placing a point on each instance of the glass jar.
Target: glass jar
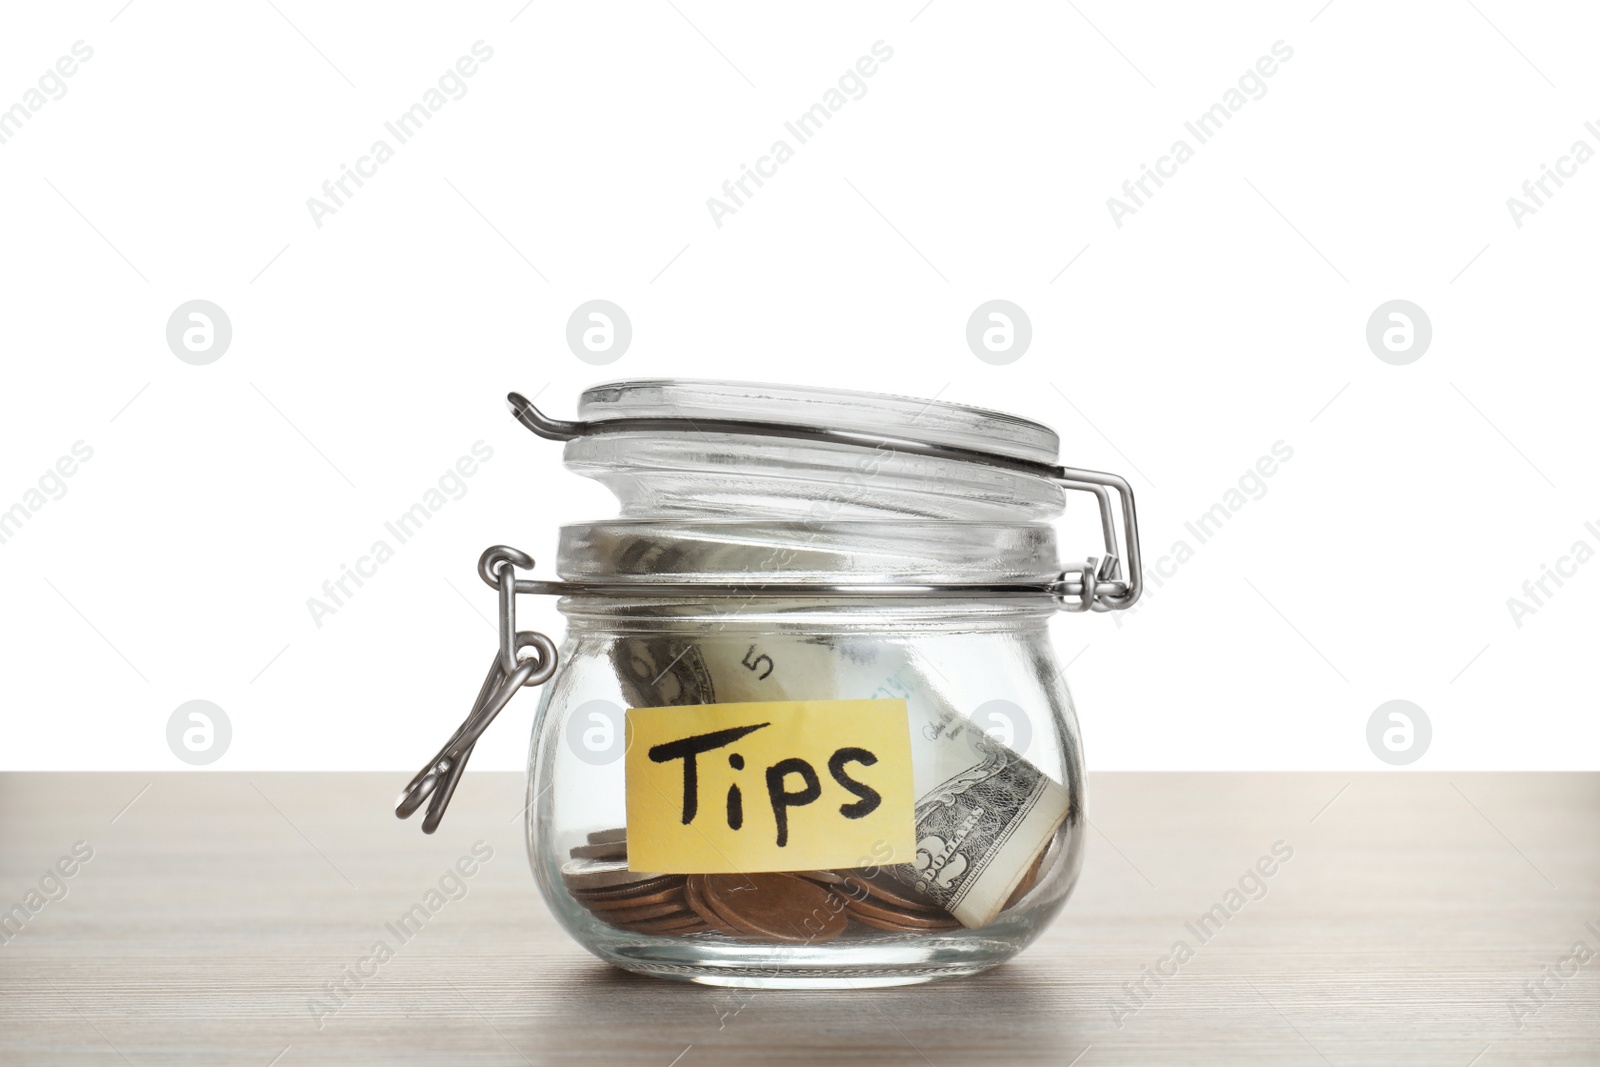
{"x": 781, "y": 550}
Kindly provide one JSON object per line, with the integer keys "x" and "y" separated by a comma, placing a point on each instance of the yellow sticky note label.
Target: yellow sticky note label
{"x": 788, "y": 785}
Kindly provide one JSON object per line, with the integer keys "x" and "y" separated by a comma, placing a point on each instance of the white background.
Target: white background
{"x": 368, "y": 354}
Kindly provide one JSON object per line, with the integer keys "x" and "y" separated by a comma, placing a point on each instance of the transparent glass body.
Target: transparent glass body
{"x": 997, "y": 766}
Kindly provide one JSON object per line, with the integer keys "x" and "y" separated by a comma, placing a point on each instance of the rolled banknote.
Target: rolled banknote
{"x": 984, "y": 814}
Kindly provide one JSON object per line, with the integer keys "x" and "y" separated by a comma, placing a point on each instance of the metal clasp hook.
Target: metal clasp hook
{"x": 507, "y": 674}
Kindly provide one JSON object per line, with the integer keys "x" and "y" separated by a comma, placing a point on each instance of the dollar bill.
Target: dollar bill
{"x": 984, "y": 814}
{"x": 981, "y": 829}
{"x": 662, "y": 672}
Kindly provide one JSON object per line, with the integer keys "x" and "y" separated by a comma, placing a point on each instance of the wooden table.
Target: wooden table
{"x": 217, "y": 908}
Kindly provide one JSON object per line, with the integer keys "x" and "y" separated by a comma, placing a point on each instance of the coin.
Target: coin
{"x": 671, "y": 895}
{"x": 618, "y": 916}
{"x": 648, "y": 882}
{"x": 692, "y": 894}
{"x": 688, "y": 924}
{"x": 614, "y": 850}
{"x": 670, "y": 914}
{"x": 905, "y": 919}
{"x": 608, "y": 837}
{"x": 628, "y": 895}
{"x": 602, "y": 874}
{"x": 826, "y": 877}
{"x": 889, "y": 903}
{"x": 778, "y": 907}
{"x": 896, "y": 895}
{"x": 879, "y": 924}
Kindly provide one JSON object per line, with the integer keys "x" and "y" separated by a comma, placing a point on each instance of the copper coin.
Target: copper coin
{"x": 844, "y": 885}
{"x": 693, "y": 896}
{"x": 878, "y": 924}
{"x": 897, "y": 894}
{"x": 775, "y": 906}
{"x": 661, "y": 910}
{"x": 644, "y": 914}
{"x": 890, "y": 913}
{"x": 682, "y": 917}
{"x": 858, "y": 883}
{"x": 857, "y": 896}
{"x": 608, "y": 837}
{"x": 658, "y": 884}
{"x": 672, "y": 895}
{"x": 642, "y": 911}
{"x": 603, "y": 874}
{"x": 612, "y": 851}
{"x": 825, "y": 877}
{"x": 667, "y": 927}
{"x": 627, "y": 892}
{"x": 905, "y": 919}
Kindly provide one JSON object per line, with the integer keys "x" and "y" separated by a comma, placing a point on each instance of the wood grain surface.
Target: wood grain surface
{"x": 1406, "y": 929}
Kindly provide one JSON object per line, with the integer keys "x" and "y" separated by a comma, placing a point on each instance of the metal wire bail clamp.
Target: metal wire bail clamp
{"x": 1111, "y": 591}
{"x": 507, "y": 673}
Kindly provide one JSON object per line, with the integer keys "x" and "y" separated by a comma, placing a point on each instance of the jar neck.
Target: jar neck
{"x": 739, "y": 551}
